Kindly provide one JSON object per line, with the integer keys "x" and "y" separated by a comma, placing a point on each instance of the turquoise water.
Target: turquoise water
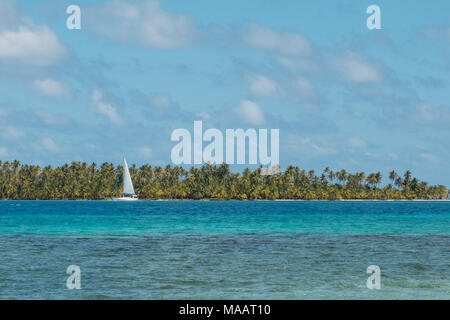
{"x": 224, "y": 250}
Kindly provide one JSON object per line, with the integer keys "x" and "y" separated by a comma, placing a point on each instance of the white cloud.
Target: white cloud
{"x": 3, "y": 152}
{"x": 427, "y": 114}
{"x": 24, "y": 42}
{"x": 393, "y": 156}
{"x": 9, "y": 16}
{"x": 49, "y": 145}
{"x": 250, "y": 112}
{"x": 423, "y": 116}
{"x": 304, "y": 88}
{"x": 308, "y": 146}
{"x": 162, "y": 101}
{"x": 51, "y": 119}
{"x": 105, "y": 109}
{"x": 51, "y": 87}
{"x": 355, "y": 142}
{"x": 260, "y": 85}
{"x": 286, "y": 43}
{"x": 437, "y": 34}
{"x": 310, "y": 64}
{"x": 291, "y": 88}
{"x": 145, "y": 23}
{"x": 315, "y": 149}
{"x": 37, "y": 47}
{"x": 429, "y": 157}
{"x": 356, "y": 69}
{"x": 205, "y": 116}
{"x": 12, "y": 133}
{"x": 146, "y": 152}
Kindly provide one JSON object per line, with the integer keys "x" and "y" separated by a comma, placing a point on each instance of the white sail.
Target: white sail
{"x": 127, "y": 183}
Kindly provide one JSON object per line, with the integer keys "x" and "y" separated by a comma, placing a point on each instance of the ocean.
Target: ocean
{"x": 225, "y": 249}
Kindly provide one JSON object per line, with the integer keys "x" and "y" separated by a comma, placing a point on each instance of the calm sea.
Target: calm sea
{"x": 224, "y": 250}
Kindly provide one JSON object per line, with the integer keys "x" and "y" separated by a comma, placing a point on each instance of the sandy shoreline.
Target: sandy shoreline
{"x": 257, "y": 200}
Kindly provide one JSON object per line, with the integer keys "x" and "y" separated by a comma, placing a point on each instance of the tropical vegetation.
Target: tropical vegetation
{"x": 80, "y": 180}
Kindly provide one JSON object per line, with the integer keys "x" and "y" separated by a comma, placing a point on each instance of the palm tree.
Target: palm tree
{"x": 371, "y": 180}
{"x": 342, "y": 176}
{"x": 83, "y": 181}
{"x": 393, "y": 175}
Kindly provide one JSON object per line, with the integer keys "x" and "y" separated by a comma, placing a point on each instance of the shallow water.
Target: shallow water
{"x": 224, "y": 250}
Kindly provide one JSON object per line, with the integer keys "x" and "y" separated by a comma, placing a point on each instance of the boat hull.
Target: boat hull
{"x": 125, "y": 199}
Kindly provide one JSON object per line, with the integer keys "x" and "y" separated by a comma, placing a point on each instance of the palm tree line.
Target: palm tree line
{"x": 80, "y": 180}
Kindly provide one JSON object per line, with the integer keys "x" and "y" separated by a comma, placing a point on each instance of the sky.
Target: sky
{"x": 342, "y": 96}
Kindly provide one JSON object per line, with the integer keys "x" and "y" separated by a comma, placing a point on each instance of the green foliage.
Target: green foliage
{"x": 83, "y": 181}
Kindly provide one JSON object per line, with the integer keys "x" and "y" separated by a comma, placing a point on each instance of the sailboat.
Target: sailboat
{"x": 128, "y": 190}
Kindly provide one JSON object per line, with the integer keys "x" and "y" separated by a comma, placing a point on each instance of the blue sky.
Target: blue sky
{"x": 342, "y": 96}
